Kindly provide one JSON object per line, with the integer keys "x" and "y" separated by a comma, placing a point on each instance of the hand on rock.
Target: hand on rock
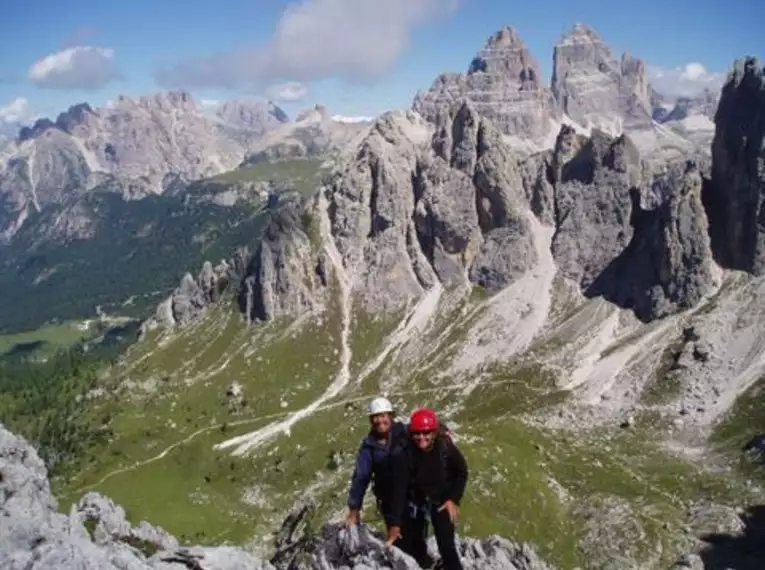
{"x": 452, "y": 510}
{"x": 394, "y": 533}
{"x": 352, "y": 519}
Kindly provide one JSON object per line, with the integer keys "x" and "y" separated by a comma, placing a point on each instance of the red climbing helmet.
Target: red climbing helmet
{"x": 423, "y": 420}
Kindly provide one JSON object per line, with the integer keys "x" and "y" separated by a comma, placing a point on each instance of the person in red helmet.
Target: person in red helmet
{"x": 429, "y": 477}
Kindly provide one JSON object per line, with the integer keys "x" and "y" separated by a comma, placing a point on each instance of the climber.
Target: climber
{"x": 373, "y": 460}
{"x": 429, "y": 478}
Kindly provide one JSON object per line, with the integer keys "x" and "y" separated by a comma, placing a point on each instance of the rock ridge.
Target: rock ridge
{"x": 137, "y": 147}
{"x": 421, "y": 205}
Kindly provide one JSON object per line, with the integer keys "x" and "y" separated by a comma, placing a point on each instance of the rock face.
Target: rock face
{"x": 593, "y": 88}
{"x": 192, "y": 297}
{"x": 634, "y": 235}
{"x": 504, "y": 84}
{"x": 667, "y": 265}
{"x": 96, "y": 534}
{"x": 593, "y": 181}
{"x": 413, "y": 206}
{"x": 281, "y": 277}
{"x": 419, "y": 205}
{"x": 139, "y": 147}
{"x": 253, "y": 116}
{"x": 738, "y": 175}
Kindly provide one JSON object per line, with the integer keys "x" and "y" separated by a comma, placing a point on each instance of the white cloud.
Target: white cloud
{"x": 210, "y": 103}
{"x": 317, "y": 39}
{"x": 80, "y": 67}
{"x": 287, "y": 92}
{"x": 686, "y": 81}
{"x": 17, "y": 111}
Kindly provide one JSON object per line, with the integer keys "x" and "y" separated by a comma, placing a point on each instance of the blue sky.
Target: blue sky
{"x": 356, "y": 56}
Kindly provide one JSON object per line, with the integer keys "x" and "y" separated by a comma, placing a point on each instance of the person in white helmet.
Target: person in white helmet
{"x": 373, "y": 461}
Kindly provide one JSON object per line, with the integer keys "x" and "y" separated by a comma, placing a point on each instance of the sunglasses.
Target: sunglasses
{"x": 421, "y": 434}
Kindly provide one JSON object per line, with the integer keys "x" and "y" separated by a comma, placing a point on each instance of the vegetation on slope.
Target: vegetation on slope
{"x": 131, "y": 253}
{"x": 138, "y": 253}
{"x": 47, "y": 400}
{"x": 301, "y": 174}
{"x": 609, "y": 496}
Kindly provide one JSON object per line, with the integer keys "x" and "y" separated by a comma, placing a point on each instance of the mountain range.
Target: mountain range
{"x": 146, "y": 146}
{"x": 589, "y": 88}
{"x": 571, "y": 275}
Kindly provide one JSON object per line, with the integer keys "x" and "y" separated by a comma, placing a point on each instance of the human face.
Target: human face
{"x": 381, "y": 423}
{"x": 424, "y": 439}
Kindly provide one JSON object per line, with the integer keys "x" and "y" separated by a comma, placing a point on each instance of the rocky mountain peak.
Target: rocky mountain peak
{"x": 581, "y": 34}
{"x": 501, "y": 53}
{"x": 593, "y": 88}
{"x": 40, "y": 126}
{"x": 168, "y": 101}
{"x": 315, "y": 113}
{"x": 253, "y": 115}
{"x": 136, "y": 146}
{"x": 75, "y": 115}
{"x": 504, "y": 84}
{"x": 67, "y": 121}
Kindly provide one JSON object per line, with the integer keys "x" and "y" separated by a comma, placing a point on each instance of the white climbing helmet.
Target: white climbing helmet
{"x": 380, "y": 406}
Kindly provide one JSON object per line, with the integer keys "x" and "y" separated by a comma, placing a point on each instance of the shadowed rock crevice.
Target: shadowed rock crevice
{"x": 633, "y": 234}
{"x": 593, "y": 202}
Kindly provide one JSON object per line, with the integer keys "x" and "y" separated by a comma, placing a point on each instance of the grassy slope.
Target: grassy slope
{"x": 594, "y": 498}
{"x": 43, "y": 341}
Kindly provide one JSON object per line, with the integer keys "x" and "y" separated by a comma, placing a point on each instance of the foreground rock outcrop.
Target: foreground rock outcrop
{"x": 96, "y": 534}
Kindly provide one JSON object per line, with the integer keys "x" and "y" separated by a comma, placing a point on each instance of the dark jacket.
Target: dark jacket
{"x": 373, "y": 462}
{"x": 431, "y": 477}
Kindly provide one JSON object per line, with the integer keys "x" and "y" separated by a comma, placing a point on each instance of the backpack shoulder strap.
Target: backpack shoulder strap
{"x": 443, "y": 443}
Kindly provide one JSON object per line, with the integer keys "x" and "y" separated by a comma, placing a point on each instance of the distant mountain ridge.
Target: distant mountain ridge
{"x": 589, "y": 88}
{"x": 142, "y": 146}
